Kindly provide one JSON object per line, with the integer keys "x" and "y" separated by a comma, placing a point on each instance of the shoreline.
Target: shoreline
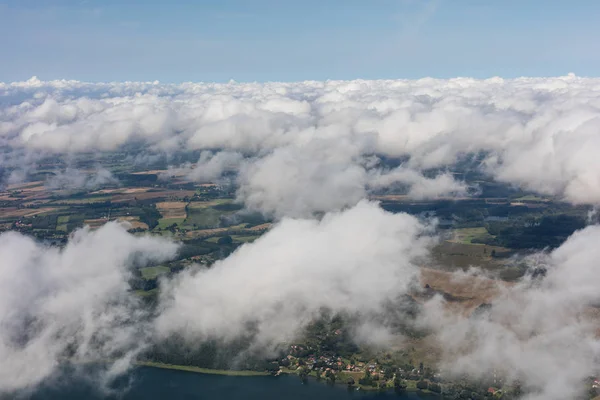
{"x": 249, "y": 373}
{"x": 199, "y": 370}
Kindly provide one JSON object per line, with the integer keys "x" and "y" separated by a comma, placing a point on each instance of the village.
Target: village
{"x": 383, "y": 375}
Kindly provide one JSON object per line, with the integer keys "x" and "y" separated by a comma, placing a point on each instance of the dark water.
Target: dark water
{"x": 155, "y": 383}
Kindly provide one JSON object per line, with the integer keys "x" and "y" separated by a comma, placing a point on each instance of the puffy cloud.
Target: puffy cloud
{"x": 73, "y": 179}
{"x": 352, "y": 261}
{"x": 300, "y": 149}
{"x": 298, "y": 181}
{"x": 542, "y": 333}
{"x": 210, "y": 166}
{"x": 420, "y": 187}
{"x": 72, "y": 303}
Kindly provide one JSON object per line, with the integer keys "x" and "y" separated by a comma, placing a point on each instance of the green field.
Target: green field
{"x": 61, "y": 223}
{"x": 146, "y": 293}
{"x": 206, "y": 214}
{"x": 202, "y": 218}
{"x": 166, "y": 222}
{"x": 154, "y": 272}
{"x": 467, "y": 235}
{"x": 244, "y": 238}
{"x": 86, "y": 200}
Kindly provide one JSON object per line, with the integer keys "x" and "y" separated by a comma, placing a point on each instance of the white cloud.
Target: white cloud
{"x": 537, "y": 132}
{"x": 209, "y": 168}
{"x": 351, "y": 261}
{"x": 420, "y": 187}
{"x": 72, "y": 179}
{"x": 541, "y": 333}
{"x": 300, "y": 149}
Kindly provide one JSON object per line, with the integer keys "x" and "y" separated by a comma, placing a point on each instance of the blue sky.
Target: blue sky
{"x": 268, "y": 40}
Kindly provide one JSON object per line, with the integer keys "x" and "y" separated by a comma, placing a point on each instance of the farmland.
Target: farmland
{"x": 483, "y": 232}
{"x": 479, "y": 253}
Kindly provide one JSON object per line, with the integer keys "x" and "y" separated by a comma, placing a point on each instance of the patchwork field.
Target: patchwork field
{"x": 13, "y": 212}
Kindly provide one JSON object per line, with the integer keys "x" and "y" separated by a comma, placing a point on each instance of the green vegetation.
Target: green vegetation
{"x": 244, "y": 239}
{"x": 61, "y": 223}
{"x": 202, "y": 217}
{"x": 149, "y": 215}
{"x": 146, "y": 293}
{"x": 534, "y": 233}
{"x": 166, "y": 223}
{"x": 154, "y": 272}
{"x": 482, "y": 232}
{"x": 471, "y": 235}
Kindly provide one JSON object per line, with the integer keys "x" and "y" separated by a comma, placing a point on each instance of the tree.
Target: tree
{"x": 331, "y": 378}
{"x": 436, "y": 388}
{"x": 422, "y": 385}
{"x": 350, "y": 381}
{"x": 399, "y": 384}
{"x": 225, "y": 240}
{"x": 367, "y": 379}
{"x": 303, "y": 374}
{"x": 285, "y": 362}
{"x": 388, "y": 372}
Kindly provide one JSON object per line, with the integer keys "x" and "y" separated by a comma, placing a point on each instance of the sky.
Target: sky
{"x": 268, "y": 40}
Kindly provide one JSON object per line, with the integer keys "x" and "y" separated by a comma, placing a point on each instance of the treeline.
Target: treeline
{"x": 549, "y": 231}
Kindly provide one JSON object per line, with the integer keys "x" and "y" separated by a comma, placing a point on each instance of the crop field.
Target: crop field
{"x": 134, "y": 221}
{"x": 85, "y": 200}
{"x": 122, "y": 190}
{"x": 466, "y": 291}
{"x": 244, "y": 238}
{"x": 216, "y": 231}
{"x": 95, "y": 223}
{"x": 13, "y": 212}
{"x": 260, "y": 227}
{"x": 152, "y": 194}
{"x": 61, "y": 223}
{"x": 172, "y": 209}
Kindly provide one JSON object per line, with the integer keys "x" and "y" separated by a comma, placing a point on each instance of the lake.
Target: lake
{"x": 155, "y": 383}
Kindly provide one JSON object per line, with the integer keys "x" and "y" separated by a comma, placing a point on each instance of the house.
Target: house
{"x": 492, "y": 391}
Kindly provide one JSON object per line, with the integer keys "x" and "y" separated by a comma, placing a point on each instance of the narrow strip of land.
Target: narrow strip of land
{"x": 201, "y": 370}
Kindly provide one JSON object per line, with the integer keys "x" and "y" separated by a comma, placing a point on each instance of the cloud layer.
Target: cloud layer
{"x": 540, "y": 133}
{"x": 298, "y": 150}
